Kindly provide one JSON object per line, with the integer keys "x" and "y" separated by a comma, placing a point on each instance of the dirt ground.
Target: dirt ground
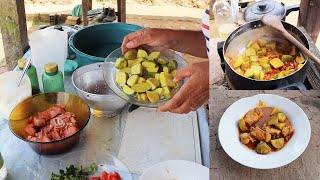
{"x": 188, "y": 13}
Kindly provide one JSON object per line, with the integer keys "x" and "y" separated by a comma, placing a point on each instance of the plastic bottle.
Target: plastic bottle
{"x": 3, "y": 169}
{"x": 32, "y": 74}
{"x": 223, "y": 22}
{"x": 52, "y": 78}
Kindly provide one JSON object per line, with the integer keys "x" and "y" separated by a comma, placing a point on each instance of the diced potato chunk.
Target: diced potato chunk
{"x": 299, "y": 60}
{"x": 133, "y": 80}
{"x": 165, "y": 69}
{"x": 166, "y": 80}
{"x": 137, "y": 69}
{"x": 251, "y": 52}
{"x": 262, "y": 52}
{"x": 131, "y": 62}
{"x": 280, "y": 126}
{"x": 238, "y": 62}
{"x": 144, "y": 97}
{"x": 157, "y": 76}
{"x": 255, "y": 46}
{"x": 154, "y": 83}
{"x": 121, "y": 63}
{"x": 249, "y": 44}
{"x": 148, "y": 64}
{"x": 172, "y": 64}
{"x": 160, "y": 91}
{"x": 153, "y": 96}
{"x": 141, "y": 87}
{"x": 121, "y": 78}
{"x": 263, "y": 148}
{"x": 262, "y": 42}
{"x": 249, "y": 73}
{"x": 242, "y": 125}
{"x": 276, "y": 63}
{"x": 162, "y": 61}
{"x": 152, "y": 70}
{"x": 127, "y": 90}
{"x": 294, "y": 50}
{"x": 273, "y": 121}
{"x": 278, "y": 143}
{"x": 126, "y": 70}
{"x": 154, "y": 55}
{"x": 141, "y": 80}
{"x": 286, "y": 58}
{"x": 282, "y": 117}
{"x": 130, "y": 55}
{"x": 142, "y": 54}
{"x": 173, "y": 73}
{"x": 271, "y": 45}
{"x": 275, "y": 111}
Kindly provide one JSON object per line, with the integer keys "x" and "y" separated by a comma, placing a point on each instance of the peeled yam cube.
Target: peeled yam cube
{"x": 299, "y": 60}
{"x": 255, "y": 46}
{"x": 154, "y": 55}
{"x": 147, "y": 64}
{"x": 242, "y": 125}
{"x": 250, "y": 52}
{"x": 141, "y": 80}
{"x": 238, "y": 62}
{"x": 273, "y": 121}
{"x": 141, "y": 87}
{"x": 154, "y": 83}
{"x": 166, "y": 69}
{"x": 275, "y": 111}
{"x": 131, "y": 62}
{"x": 121, "y": 63}
{"x": 159, "y": 91}
{"x": 162, "y": 61}
{"x": 282, "y": 117}
{"x": 280, "y": 126}
{"x": 130, "y": 55}
{"x": 153, "y": 96}
{"x": 249, "y": 73}
{"x": 137, "y": 69}
{"x": 286, "y": 58}
{"x": 121, "y": 78}
{"x": 152, "y": 69}
{"x": 133, "y": 80}
{"x": 126, "y": 70}
{"x": 142, "y": 54}
{"x": 173, "y": 73}
{"x": 262, "y": 42}
{"x": 167, "y": 93}
{"x": 172, "y": 64}
{"x": 126, "y": 89}
{"x": 276, "y": 63}
{"x": 278, "y": 143}
{"x": 166, "y": 80}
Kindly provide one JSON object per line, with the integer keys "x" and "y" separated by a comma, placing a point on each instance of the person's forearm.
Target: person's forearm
{"x": 189, "y": 42}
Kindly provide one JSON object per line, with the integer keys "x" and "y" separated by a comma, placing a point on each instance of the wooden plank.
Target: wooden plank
{"x": 309, "y": 17}
{"x": 121, "y": 4}
{"x": 86, "y": 6}
{"x": 14, "y": 30}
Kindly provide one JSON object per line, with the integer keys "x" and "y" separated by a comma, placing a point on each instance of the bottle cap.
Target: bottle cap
{"x": 22, "y": 62}
{"x": 51, "y": 67}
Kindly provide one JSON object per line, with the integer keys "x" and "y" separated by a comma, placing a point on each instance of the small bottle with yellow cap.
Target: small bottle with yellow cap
{"x": 32, "y": 74}
{"x": 52, "y": 79}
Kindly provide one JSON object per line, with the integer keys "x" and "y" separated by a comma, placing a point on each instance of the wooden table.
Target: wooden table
{"x": 307, "y": 166}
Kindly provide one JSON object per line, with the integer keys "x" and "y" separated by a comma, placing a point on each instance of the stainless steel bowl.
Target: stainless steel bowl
{"x": 90, "y": 85}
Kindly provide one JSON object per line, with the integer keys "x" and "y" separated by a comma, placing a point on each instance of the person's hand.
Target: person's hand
{"x": 194, "y": 93}
{"x": 149, "y": 38}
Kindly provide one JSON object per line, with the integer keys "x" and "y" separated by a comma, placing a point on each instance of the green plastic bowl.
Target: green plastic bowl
{"x": 94, "y": 43}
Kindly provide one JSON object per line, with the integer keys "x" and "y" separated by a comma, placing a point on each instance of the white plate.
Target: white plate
{"x": 176, "y": 170}
{"x": 229, "y": 135}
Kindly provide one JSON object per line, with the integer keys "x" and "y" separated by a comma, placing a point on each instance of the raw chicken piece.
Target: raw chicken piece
{"x": 246, "y": 138}
{"x": 37, "y": 121}
{"x": 253, "y": 116}
{"x": 51, "y": 112}
{"x": 258, "y": 133}
{"x": 70, "y": 131}
{"x": 29, "y": 129}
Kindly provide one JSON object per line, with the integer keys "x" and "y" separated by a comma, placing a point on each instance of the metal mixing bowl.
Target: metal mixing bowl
{"x": 41, "y": 102}
{"x": 90, "y": 84}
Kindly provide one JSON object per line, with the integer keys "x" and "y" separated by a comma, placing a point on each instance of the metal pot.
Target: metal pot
{"x": 261, "y": 8}
{"x": 236, "y": 44}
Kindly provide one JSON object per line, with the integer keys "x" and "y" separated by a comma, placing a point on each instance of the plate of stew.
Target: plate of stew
{"x": 264, "y": 131}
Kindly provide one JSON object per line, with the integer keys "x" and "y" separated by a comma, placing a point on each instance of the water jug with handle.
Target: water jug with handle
{"x": 48, "y": 45}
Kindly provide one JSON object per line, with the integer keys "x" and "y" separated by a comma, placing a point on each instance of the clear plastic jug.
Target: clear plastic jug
{"x": 48, "y": 45}
{"x": 10, "y": 94}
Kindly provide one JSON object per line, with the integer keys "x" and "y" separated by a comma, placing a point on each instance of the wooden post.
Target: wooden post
{"x": 121, "y": 4}
{"x": 14, "y": 30}
{"x": 86, "y": 6}
{"x": 309, "y": 17}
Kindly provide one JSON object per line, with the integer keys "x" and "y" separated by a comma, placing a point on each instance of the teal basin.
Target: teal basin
{"x": 94, "y": 43}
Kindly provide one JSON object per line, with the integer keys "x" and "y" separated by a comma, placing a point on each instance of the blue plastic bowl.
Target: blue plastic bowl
{"x": 94, "y": 43}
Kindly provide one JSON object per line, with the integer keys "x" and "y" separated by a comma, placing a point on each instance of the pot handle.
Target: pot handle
{"x": 291, "y": 8}
{"x": 295, "y": 86}
{"x": 220, "y": 49}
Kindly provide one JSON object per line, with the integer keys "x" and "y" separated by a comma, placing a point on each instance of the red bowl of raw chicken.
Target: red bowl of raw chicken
{"x": 51, "y": 123}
